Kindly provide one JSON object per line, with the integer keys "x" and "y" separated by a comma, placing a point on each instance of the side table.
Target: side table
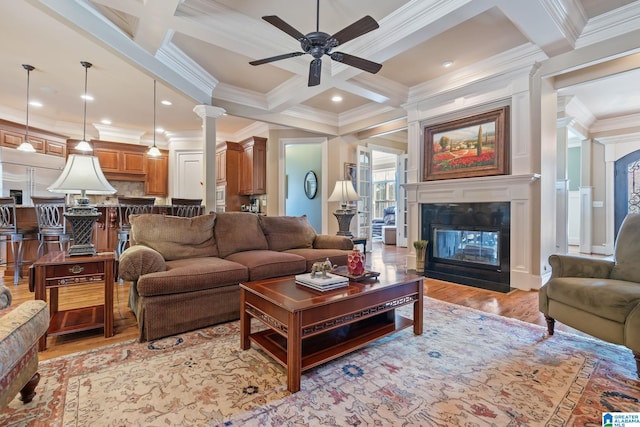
{"x": 360, "y": 241}
{"x": 58, "y": 269}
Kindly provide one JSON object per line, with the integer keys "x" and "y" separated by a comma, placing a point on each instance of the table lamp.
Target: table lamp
{"x": 344, "y": 193}
{"x": 82, "y": 175}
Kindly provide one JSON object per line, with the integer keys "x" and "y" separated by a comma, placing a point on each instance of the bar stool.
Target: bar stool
{"x": 11, "y": 233}
{"x": 187, "y": 208}
{"x": 52, "y": 225}
{"x": 130, "y": 206}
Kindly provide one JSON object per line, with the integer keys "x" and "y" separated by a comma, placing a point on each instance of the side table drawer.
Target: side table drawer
{"x": 72, "y": 270}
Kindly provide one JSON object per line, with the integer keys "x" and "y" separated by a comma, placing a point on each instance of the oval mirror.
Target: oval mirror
{"x": 310, "y": 184}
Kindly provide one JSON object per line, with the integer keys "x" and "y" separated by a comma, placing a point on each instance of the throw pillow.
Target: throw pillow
{"x": 288, "y": 232}
{"x": 175, "y": 237}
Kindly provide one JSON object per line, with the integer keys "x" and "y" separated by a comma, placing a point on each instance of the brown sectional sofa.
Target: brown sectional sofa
{"x": 186, "y": 271}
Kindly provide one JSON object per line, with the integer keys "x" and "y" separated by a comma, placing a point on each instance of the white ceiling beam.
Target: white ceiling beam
{"x": 81, "y": 16}
{"x": 154, "y": 23}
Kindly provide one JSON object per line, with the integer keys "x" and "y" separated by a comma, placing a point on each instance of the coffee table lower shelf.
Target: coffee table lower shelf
{"x": 321, "y": 348}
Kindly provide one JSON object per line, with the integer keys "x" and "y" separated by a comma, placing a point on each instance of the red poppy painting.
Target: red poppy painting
{"x": 469, "y": 147}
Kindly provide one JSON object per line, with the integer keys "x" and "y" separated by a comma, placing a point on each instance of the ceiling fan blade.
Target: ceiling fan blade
{"x": 315, "y": 69}
{"x": 281, "y": 25}
{"x": 354, "y": 61}
{"x": 276, "y": 58}
{"x": 356, "y": 29}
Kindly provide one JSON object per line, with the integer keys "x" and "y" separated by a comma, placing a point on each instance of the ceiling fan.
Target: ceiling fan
{"x": 318, "y": 44}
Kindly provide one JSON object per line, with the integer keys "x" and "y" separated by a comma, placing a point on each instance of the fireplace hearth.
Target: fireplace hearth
{"x": 469, "y": 243}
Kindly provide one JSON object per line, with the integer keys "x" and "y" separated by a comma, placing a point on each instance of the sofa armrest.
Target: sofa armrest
{"x": 139, "y": 260}
{"x": 326, "y": 241}
{"x": 20, "y": 330}
{"x": 575, "y": 266}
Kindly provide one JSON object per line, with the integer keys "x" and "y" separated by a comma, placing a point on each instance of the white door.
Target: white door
{"x": 402, "y": 227}
{"x": 363, "y": 172}
{"x": 188, "y": 182}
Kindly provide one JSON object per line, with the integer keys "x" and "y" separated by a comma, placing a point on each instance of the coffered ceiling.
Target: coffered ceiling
{"x": 199, "y": 52}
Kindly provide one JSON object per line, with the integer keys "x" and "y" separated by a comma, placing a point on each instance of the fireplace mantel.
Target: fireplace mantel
{"x": 516, "y": 189}
{"x": 499, "y": 188}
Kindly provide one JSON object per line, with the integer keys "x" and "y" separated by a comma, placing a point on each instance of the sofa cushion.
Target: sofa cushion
{"x": 287, "y": 232}
{"x": 264, "y": 264}
{"x": 237, "y": 232}
{"x": 187, "y": 275}
{"x": 175, "y": 237}
{"x": 138, "y": 260}
{"x": 607, "y": 298}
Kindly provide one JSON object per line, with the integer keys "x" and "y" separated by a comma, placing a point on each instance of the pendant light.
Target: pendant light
{"x": 84, "y": 145}
{"x": 26, "y": 144}
{"x": 153, "y": 151}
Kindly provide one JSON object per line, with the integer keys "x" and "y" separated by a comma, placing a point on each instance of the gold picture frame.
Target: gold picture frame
{"x": 469, "y": 147}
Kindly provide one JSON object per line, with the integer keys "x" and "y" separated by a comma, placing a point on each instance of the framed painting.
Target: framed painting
{"x": 469, "y": 147}
{"x": 350, "y": 174}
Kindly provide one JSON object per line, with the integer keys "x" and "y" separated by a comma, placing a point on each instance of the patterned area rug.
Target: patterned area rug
{"x": 468, "y": 369}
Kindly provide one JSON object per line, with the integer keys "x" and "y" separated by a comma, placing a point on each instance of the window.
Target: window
{"x": 384, "y": 190}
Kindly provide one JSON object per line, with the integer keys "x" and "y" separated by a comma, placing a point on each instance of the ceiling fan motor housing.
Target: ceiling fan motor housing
{"x": 318, "y": 43}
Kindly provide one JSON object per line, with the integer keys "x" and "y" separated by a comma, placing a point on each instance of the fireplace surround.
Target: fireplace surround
{"x": 469, "y": 243}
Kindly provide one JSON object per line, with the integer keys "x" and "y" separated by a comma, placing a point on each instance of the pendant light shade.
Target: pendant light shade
{"x": 84, "y": 145}
{"x": 26, "y": 144}
{"x": 153, "y": 151}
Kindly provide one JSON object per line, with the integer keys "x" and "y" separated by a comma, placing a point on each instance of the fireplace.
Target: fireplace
{"x": 469, "y": 243}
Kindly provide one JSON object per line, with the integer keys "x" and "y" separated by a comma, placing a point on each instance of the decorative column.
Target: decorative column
{"x": 209, "y": 114}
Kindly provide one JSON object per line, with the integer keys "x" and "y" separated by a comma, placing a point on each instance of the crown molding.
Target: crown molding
{"x": 174, "y": 58}
{"x": 611, "y": 24}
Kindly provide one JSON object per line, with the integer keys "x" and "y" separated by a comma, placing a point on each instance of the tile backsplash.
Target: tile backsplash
{"x": 125, "y": 189}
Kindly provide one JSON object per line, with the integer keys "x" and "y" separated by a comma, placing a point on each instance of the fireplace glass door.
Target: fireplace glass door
{"x": 466, "y": 245}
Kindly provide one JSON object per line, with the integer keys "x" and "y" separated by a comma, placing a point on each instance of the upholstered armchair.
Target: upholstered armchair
{"x": 20, "y": 329}
{"x": 597, "y": 296}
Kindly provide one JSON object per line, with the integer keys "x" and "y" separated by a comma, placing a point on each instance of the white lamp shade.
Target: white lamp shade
{"x": 82, "y": 174}
{"x": 343, "y": 192}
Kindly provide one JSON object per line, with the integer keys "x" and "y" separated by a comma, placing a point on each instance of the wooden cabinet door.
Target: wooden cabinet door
{"x": 157, "y": 183}
{"x": 246, "y": 171}
{"x": 133, "y": 162}
{"x": 108, "y": 159}
{"x": 259, "y": 178}
{"x": 221, "y": 166}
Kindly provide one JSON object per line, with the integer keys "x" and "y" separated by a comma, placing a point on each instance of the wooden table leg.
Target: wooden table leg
{"x": 41, "y": 294}
{"x": 294, "y": 352}
{"x": 245, "y": 322}
{"x": 108, "y": 298}
{"x": 417, "y": 310}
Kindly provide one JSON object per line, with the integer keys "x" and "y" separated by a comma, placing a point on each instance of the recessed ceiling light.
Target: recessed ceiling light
{"x": 160, "y": 130}
{"x": 336, "y": 98}
{"x": 87, "y": 97}
{"x": 35, "y": 104}
{"x": 105, "y": 121}
{"x": 447, "y": 64}
{"x": 166, "y": 102}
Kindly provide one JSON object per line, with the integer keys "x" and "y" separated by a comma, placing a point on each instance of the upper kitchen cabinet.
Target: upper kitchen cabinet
{"x": 119, "y": 161}
{"x": 129, "y": 162}
{"x": 157, "y": 183}
{"x": 12, "y": 135}
{"x": 253, "y": 166}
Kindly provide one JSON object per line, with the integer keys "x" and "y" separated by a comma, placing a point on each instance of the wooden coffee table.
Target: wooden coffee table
{"x": 307, "y": 328}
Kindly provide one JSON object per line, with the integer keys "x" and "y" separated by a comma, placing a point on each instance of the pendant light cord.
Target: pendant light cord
{"x": 154, "y": 112}
{"x": 29, "y": 68}
{"x": 86, "y": 66}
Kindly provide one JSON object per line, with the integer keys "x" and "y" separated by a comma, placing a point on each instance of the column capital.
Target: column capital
{"x": 208, "y": 111}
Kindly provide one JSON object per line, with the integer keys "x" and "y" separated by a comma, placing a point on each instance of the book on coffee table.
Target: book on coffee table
{"x": 320, "y": 283}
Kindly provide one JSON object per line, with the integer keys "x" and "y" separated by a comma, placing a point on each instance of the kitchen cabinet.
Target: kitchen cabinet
{"x": 157, "y": 183}
{"x": 228, "y": 157}
{"x": 253, "y": 166}
{"x": 13, "y": 134}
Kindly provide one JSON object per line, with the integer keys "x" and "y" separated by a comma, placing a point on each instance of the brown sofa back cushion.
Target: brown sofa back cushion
{"x": 175, "y": 237}
{"x": 288, "y": 232}
{"x": 238, "y": 232}
{"x": 627, "y": 250}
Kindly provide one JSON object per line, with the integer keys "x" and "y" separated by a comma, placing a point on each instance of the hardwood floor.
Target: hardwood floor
{"x": 517, "y": 304}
